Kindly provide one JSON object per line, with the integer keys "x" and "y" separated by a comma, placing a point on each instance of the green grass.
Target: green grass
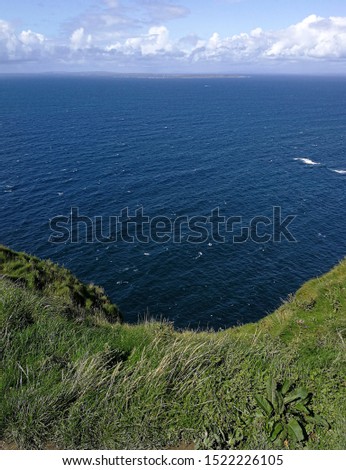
{"x": 55, "y": 281}
{"x": 75, "y": 379}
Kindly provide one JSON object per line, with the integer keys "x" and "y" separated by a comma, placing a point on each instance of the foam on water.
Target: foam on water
{"x": 307, "y": 161}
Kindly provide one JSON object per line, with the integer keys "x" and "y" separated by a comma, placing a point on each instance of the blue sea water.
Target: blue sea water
{"x": 178, "y": 147}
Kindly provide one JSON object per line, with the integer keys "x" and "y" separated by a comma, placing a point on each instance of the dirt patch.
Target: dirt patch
{"x": 8, "y": 446}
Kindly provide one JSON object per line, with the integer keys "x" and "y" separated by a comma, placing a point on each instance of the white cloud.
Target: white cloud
{"x": 27, "y": 45}
{"x": 314, "y": 39}
{"x": 79, "y": 39}
{"x": 8, "y": 41}
{"x": 155, "y": 42}
{"x": 160, "y": 10}
{"x": 111, "y": 3}
{"x": 114, "y": 19}
{"x": 28, "y": 38}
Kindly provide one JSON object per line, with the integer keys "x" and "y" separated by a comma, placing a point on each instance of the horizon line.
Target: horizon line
{"x": 174, "y": 74}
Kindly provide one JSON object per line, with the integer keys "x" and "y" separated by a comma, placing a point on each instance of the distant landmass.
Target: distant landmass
{"x": 135, "y": 75}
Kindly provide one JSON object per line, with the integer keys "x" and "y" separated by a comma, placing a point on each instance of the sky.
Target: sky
{"x": 173, "y": 36}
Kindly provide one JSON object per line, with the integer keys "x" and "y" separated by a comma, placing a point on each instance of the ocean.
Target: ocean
{"x": 175, "y": 148}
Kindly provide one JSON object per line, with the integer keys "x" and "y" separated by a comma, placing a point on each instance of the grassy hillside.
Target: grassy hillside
{"x": 55, "y": 281}
{"x": 73, "y": 379}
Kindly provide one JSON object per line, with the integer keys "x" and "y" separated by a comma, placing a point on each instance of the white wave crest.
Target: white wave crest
{"x": 340, "y": 172}
{"x": 307, "y": 161}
